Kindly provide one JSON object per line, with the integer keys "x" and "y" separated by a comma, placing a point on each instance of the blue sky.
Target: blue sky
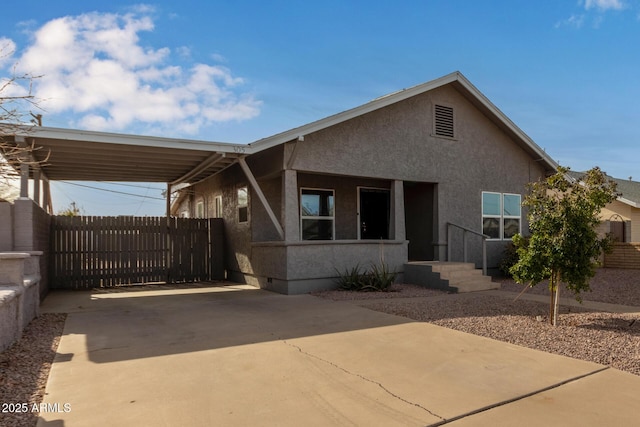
{"x": 566, "y": 72}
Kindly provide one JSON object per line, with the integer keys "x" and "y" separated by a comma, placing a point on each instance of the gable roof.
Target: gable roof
{"x": 101, "y": 156}
{"x": 629, "y": 189}
{"x": 456, "y": 80}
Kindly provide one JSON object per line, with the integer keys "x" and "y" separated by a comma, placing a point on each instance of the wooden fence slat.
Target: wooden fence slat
{"x": 89, "y": 252}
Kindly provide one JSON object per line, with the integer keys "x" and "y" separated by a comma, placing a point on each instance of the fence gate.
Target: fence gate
{"x": 89, "y": 251}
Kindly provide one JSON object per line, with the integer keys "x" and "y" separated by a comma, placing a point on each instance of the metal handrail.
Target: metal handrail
{"x": 466, "y": 230}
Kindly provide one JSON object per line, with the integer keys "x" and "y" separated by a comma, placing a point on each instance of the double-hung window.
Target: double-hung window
{"x": 317, "y": 214}
{"x": 501, "y": 215}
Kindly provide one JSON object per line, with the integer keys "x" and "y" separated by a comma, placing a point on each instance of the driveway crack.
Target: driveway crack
{"x": 385, "y": 389}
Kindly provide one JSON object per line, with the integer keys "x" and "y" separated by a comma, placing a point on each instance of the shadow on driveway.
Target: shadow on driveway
{"x": 132, "y": 325}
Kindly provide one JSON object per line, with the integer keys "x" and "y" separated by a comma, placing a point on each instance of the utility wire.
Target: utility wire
{"x": 146, "y": 187}
{"x": 112, "y": 191}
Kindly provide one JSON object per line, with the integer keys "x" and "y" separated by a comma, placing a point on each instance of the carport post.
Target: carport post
{"x": 261, "y": 196}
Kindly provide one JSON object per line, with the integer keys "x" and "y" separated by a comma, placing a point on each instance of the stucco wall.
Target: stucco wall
{"x": 19, "y": 294}
{"x": 396, "y": 142}
{"x": 6, "y": 226}
{"x": 392, "y": 143}
{"x": 31, "y": 233}
{"x": 314, "y": 265}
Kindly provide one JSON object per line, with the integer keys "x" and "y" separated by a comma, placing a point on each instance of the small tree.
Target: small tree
{"x": 564, "y": 245}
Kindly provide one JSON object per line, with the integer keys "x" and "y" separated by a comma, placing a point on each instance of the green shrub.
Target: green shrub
{"x": 377, "y": 278}
{"x": 350, "y": 279}
{"x": 510, "y": 257}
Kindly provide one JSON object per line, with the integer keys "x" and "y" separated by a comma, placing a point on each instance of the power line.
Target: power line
{"x": 126, "y": 185}
{"x": 112, "y": 191}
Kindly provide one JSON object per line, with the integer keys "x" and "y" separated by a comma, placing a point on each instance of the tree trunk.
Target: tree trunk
{"x": 555, "y": 299}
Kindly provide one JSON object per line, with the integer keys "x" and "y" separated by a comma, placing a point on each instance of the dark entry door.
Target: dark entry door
{"x": 374, "y": 213}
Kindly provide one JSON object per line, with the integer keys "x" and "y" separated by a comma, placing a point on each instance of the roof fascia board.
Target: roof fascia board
{"x": 629, "y": 202}
{"x": 136, "y": 140}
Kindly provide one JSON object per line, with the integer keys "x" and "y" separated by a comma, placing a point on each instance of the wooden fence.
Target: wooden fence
{"x": 89, "y": 252}
{"x": 624, "y": 255}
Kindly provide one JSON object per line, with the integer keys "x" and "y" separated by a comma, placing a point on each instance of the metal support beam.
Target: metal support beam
{"x": 209, "y": 161}
{"x": 261, "y": 196}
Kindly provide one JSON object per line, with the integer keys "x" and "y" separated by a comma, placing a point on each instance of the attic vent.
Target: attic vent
{"x": 443, "y": 121}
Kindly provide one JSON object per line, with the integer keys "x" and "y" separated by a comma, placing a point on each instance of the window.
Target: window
{"x": 218, "y": 207}
{"x": 443, "y": 121}
{"x": 200, "y": 209}
{"x": 317, "y": 218}
{"x": 510, "y": 215}
{"x": 501, "y": 215}
{"x": 243, "y": 205}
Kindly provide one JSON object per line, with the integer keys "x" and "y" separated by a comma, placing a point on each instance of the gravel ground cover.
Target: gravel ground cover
{"x": 606, "y": 338}
{"x": 611, "y": 285}
{"x": 24, "y": 369}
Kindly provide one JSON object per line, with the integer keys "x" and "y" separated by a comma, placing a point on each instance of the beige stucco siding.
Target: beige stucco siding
{"x": 635, "y": 225}
{"x": 619, "y": 211}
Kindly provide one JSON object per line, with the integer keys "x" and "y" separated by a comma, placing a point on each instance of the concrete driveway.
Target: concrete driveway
{"x": 235, "y": 355}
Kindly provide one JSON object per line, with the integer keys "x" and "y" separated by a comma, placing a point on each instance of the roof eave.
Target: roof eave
{"x": 629, "y": 202}
{"x": 29, "y": 131}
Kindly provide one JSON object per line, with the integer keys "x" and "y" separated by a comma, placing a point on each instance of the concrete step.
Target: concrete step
{"x": 440, "y": 266}
{"x": 450, "y": 276}
{"x": 475, "y": 285}
{"x": 458, "y": 275}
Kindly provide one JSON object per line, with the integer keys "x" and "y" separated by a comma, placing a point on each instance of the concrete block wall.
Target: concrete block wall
{"x": 19, "y": 293}
{"x": 31, "y": 226}
{"x": 6, "y": 226}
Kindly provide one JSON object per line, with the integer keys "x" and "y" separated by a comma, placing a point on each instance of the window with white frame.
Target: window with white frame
{"x": 217, "y": 207}
{"x": 200, "y": 209}
{"x": 501, "y": 215}
{"x": 317, "y": 214}
{"x": 243, "y": 204}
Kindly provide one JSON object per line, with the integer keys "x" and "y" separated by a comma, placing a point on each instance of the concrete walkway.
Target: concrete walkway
{"x": 236, "y": 355}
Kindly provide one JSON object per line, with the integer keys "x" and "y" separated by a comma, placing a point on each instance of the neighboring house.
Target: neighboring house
{"x": 382, "y": 180}
{"x": 622, "y": 217}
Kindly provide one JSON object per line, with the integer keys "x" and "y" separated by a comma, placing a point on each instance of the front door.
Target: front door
{"x": 374, "y": 213}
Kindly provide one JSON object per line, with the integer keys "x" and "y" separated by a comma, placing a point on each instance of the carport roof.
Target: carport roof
{"x": 79, "y": 155}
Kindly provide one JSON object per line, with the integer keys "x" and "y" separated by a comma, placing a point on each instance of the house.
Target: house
{"x": 384, "y": 180}
{"x": 622, "y": 217}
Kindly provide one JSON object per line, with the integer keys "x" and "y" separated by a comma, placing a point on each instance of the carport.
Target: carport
{"x": 54, "y": 154}
{"x": 79, "y": 155}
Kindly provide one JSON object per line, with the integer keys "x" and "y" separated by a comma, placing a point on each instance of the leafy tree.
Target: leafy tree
{"x": 71, "y": 210}
{"x": 564, "y": 245}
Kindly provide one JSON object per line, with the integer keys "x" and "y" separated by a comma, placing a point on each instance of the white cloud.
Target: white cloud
{"x": 593, "y": 13}
{"x": 604, "y": 5}
{"x": 7, "y": 49}
{"x": 575, "y": 21}
{"x": 95, "y": 66}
